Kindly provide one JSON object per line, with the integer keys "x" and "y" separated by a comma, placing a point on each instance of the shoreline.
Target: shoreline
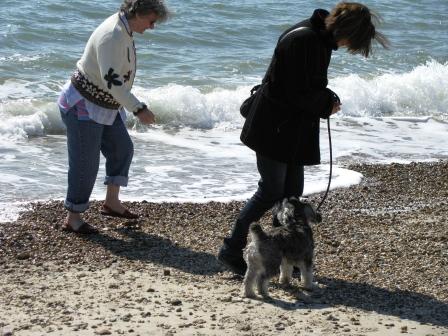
{"x": 381, "y": 262}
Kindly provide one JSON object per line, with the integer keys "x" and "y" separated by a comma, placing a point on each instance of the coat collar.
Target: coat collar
{"x": 125, "y": 23}
{"x": 318, "y": 23}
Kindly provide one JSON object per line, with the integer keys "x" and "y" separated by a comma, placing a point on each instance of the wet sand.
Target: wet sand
{"x": 381, "y": 262}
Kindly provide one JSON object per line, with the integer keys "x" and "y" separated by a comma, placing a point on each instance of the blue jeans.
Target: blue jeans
{"x": 86, "y": 139}
{"x": 278, "y": 180}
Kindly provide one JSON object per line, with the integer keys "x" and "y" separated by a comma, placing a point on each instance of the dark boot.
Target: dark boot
{"x": 231, "y": 256}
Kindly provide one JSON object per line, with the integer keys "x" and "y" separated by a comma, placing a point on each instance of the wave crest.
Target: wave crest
{"x": 29, "y": 112}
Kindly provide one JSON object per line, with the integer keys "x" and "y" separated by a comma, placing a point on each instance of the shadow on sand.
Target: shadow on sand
{"x": 137, "y": 245}
{"x": 400, "y": 303}
{"x": 141, "y": 246}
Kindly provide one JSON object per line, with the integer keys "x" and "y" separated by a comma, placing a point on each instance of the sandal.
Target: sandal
{"x": 85, "y": 228}
{"x": 106, "y": 211}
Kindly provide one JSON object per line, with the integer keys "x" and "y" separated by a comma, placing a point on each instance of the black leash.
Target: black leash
{"x": 331, "y": 171}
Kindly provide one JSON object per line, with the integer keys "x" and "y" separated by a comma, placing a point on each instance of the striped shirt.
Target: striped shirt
{"x": 86, "y": 110}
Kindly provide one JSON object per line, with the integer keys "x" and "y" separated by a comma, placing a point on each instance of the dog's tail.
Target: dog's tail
{"x": 257, "y": 232}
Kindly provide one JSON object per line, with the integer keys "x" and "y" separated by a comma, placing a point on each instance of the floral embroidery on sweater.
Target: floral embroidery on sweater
{"x": 111, "y": 78}
{"x": 127, "y": 77}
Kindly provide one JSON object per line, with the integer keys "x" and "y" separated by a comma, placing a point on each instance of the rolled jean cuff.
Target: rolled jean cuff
{"x": 121, "y": 181}
{"x": 72, "y": 207}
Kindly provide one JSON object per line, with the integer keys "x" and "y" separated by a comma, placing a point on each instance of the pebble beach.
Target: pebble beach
{"x": 381, "y": 264}
{"x": 381, "y": 260}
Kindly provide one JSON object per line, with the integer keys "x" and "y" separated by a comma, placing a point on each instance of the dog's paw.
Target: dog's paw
{"x": 312, "y": 286}
{"x": 267, "y": 298}
{"x": 285, "y": 280}
{"x": 305, "y": 297}
{"x": 250, "y": 295}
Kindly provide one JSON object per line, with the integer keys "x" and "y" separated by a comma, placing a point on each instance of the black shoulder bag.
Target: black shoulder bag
{"x": 245, "y": 106}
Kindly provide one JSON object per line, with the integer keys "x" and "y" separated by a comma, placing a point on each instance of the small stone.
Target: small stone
{"x": 176, "y": 302}
{"x": 279, "y": 326}
{"x": 166, "y": 272}
{"x": 24, "y": 256}
{"x": 126, "y": 318}
{"x": 226, "y": 299}
{"x": 244, "y": 327}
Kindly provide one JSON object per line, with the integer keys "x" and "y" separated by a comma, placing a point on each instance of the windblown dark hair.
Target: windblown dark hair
{"x": 131, "y": 8}
{"x": 355, "y": 23}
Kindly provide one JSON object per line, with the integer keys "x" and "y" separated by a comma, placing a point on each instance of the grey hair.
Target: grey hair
{"x": 131, "y": 8}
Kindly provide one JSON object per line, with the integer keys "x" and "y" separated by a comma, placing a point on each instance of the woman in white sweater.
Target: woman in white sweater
{"x": 93, "y": 104}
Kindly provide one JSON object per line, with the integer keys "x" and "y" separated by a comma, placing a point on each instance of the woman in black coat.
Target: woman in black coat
{"x": 282, "y": 124}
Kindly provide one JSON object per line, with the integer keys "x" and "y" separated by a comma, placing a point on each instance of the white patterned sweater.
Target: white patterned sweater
{"x": 109, "y": 61}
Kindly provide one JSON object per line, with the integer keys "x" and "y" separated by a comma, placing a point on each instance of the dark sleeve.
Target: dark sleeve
{"x": 304, "y": 63}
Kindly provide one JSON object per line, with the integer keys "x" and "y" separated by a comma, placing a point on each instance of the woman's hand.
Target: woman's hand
{"x": 146, "y": 117}
{"x": 336, "y": 107}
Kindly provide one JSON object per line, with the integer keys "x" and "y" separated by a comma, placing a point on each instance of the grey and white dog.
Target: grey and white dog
{"x": 281, "y": 248}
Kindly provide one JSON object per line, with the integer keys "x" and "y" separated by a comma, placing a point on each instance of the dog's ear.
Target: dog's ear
{"x": 276, "y": 210}
{"x": 277, "y": 206}
{"x": 283, "y": 210}
{"x": 288, "y": 209}
{"x": 294, "y": 199}
{"x": 310, "y": 213}
{"x": 290, "y": 204}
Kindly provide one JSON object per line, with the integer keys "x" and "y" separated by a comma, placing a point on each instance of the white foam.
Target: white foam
{"x": 13, "y": 89}
{"x": 11, "y": 178}
{"x": 341, "y": 178}
{"x": 23, "y": 118}
{"x": 387, "y": 140}
{"x": 214, "y": 143}
{"x": 421, "y": 92}
{"x": 178, "y": 105}
{"x": 205, "y": 160}
{"x": 29, "y": 109}
{"x": 20, "y": 127}
{"x": 20, "y": 58}
{"x": 9, "y": 211}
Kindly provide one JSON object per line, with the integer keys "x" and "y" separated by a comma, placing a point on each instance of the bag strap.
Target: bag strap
{"x": 254, "y": 89}
{"x": 268, "y": 72}
{"x": 292, "y": 31}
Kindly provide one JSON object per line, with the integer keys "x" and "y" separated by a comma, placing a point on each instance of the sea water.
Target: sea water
{"x": 194, "y": 71}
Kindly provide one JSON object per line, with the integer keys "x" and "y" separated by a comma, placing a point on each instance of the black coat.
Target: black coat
{"x": 283, "y": 122}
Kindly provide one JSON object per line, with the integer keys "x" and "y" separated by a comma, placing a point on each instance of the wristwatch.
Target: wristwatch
{"x": 140, "y": 108}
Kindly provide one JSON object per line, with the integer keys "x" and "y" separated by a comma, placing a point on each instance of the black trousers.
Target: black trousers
{"x": 278, "y": 180}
